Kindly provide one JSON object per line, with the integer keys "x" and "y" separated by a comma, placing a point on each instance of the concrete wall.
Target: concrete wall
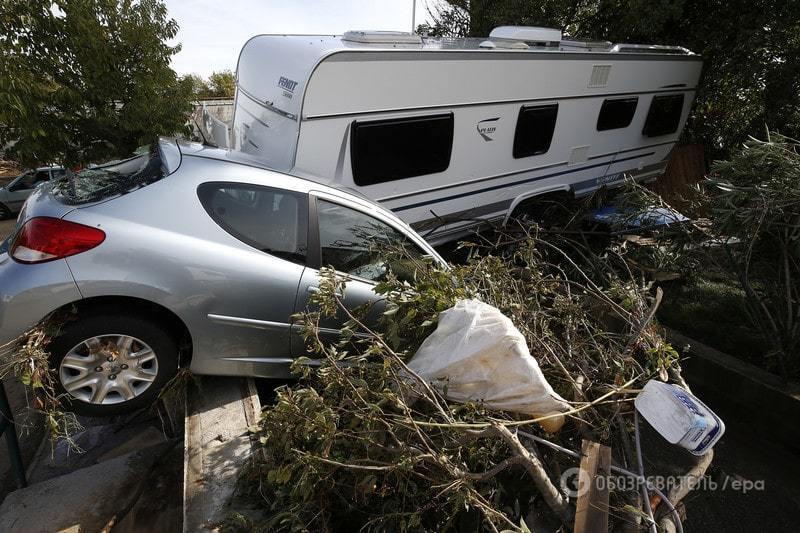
{"x": 222, "y": 108}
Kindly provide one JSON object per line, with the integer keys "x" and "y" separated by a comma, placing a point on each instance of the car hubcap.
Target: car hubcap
{"x": 108, "y": 369}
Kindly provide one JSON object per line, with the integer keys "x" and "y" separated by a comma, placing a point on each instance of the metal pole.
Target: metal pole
{"x": 413, "y": 15}
{"x": 7, "y": 426}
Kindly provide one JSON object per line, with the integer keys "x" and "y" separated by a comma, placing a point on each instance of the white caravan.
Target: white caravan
{"x": 448, "y": 133}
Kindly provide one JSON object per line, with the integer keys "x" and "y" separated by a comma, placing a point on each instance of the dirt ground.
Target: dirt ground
{"x": 8, "y": 170}
{"x": 745, "y": 455}
{"x": 5, "y": 228}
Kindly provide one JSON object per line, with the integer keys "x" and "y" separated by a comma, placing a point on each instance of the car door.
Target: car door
{"x": 348, "y": 237}
{"x": 255, "y": 287}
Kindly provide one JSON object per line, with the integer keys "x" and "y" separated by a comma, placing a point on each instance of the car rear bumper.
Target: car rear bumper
{"x": 28, "y": 293}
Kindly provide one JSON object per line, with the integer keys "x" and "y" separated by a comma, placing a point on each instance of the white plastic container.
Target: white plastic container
{"x": 679, "y": 417}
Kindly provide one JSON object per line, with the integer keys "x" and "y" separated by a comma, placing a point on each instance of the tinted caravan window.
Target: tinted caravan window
{"x": 535, "y": 126}
{"x": 388, "y": 150}
{"x": 664, "y": 115}
{"x": 616, "y": 113}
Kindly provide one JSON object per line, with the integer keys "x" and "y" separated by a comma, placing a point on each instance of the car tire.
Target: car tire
{"x": 90, "y": 361}
{"x": 5, "y": 212}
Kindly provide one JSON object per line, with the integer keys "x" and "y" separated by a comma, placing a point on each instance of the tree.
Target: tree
{"x": 756, "y": 212}
{"x": 750, "y": 49}
{"x": 200, "y": 88}
{"x": 222, "y": 84}
{"x": 83, "y": 80}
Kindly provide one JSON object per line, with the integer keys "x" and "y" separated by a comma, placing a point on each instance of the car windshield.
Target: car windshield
{"x": 112, "y": 178}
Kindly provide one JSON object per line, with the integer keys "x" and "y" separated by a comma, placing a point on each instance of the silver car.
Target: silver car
{"x": 183, "y": 256}
{"x": 14, "y": 194}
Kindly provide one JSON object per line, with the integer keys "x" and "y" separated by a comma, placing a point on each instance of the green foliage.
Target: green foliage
{"x": 750, "y": 49}
{"x": 28, "y": 359}
{"x": 200, "y": 88}
{"x": 360, "y": 443}
{"x": 221, "y": 84}
{"x": 84, "y": 80}
{"x": 756, "y": 207}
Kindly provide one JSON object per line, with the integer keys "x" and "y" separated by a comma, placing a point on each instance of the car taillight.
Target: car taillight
{"x": 43, "y": 239}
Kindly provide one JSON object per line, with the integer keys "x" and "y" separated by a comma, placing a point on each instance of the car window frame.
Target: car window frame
{"x": 314, "y": 255}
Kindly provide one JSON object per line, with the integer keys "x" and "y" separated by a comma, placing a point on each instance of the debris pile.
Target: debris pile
{"x": 364, "y": 442}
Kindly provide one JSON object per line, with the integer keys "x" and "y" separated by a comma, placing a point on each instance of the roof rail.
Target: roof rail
{"x": 381, "y": 37}
{"x": 651, "y": 48}
{"x": 586, "y": 44}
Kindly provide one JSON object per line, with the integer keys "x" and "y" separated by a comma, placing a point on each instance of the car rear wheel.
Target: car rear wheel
{"x": 5, "y": 212}
{"x": 109, "y": 365}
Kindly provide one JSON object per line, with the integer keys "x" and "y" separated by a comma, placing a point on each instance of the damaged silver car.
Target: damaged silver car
{"x": 183, "y": 256}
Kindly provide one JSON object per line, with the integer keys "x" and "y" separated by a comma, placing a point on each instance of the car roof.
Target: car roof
{"x": 195, "y": 149}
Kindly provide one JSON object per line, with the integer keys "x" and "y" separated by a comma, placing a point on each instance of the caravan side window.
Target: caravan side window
{"x": 535, "y": 126}
{"x": 616, "y": 113}
{"x": 388, "y": 150}
{"x": 664, "y": 116}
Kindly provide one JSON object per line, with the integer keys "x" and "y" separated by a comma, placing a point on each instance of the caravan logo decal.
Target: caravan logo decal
{"x": 287, "y": 85}
{"x": 487, "y": 128}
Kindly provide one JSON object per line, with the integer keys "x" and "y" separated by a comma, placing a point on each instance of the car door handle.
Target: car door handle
{"x": 313, "y": 289}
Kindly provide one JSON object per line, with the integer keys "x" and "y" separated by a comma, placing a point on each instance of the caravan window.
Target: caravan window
{"x": 664, "y": 116}
{"x": 616, "y": 113}
{"x": 535, "y": 126}
{"x": 388, "y": 150}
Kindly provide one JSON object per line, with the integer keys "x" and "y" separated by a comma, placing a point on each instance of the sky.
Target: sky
{"x": 212, "y": 32}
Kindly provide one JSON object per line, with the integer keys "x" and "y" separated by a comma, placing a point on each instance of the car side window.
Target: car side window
{"x": 356, "y": 243}
{"x": 27, "y": 181}
{"x": 274, "y": 221}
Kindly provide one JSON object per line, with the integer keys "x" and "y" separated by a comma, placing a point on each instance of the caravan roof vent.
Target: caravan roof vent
{"x": 528, "y": 34}
{"x": 382, "y": 37}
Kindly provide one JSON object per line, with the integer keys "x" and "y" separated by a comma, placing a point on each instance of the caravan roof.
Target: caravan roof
{"x": 466, "y": 129}
{"x": 298, "y": 56}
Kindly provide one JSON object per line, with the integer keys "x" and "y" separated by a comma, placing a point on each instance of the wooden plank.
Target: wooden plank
{"x": 686, "y": 167}
{"x": 591, "y": 514}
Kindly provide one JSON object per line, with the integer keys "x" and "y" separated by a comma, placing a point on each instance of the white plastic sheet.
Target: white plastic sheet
{"x": 481, "y": 356}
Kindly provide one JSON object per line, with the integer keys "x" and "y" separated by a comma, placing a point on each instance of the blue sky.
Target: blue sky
{"x": 212, "y": 31}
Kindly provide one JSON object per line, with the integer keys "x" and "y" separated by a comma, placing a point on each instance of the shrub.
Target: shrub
{"x": 361, "y": 444}
{"x": 756, "y": 207}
